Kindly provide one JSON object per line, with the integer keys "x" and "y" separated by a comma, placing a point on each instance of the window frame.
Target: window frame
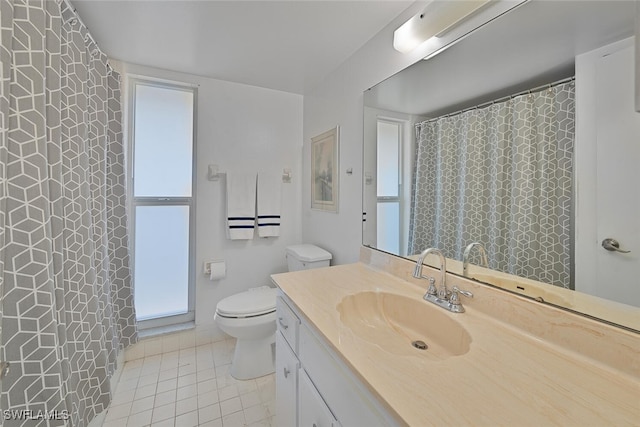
{"x": 400, "y": 124}
{"x": 134, "y": 202}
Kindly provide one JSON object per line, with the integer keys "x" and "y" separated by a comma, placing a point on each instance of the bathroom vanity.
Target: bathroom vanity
{"x": 334, "y": 393}
{"x": 345, "y": 357}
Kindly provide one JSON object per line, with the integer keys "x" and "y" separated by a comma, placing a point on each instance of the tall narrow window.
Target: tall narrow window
{"x": 389, "y": 185}
{"x": 162, "y": 132}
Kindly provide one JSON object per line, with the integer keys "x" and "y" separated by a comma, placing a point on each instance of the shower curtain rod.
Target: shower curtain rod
{"x": 504, "y": 98}
{"x": 89, "y": 36}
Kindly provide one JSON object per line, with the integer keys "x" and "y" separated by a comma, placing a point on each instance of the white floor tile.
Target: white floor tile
{"x": 233, "y": 420}
{"x": 163, "y": 412}
{"x": 124, "y": 385}
{"x": 190, "y": 419}
{"x": 206, "y": 374}
{"x": 247, "y": 386}
{"x": 206, "y": 399}
{"x": 223, "y": 370}
{"x": 186, "y": 405}
{"x": 186, "y": 392}
{"x": 171, "y": 355}
{"x": 120, "y": 422}
{"x": 209, "y": 413}
{"x": 191, "y": 387}
{"x": 142, "y": 405}
{"x": 167, "y": 385}
{"x": 130, "y": 374}
{"x": 214, "y": 423}
{"x": 139, "y": 420}
{"x": 118, "y": 411}
{"x": 165, "y": 398}
{"x": 207, "y": 386}
{"x": 228, "y": 392}
{"x": 187, "y": 369}
{"x": 151, "y": 368}
{"x": 262, "y": 423}
{"x": 145, "y": 391}
{"x": 250, "y": 399}
{"x": 148, "y": 379}
{"x": 186, "y": 379}
{"x": 134, "y": 364}
{"x": 230, "y": 406}
{"x": 168, "y": 374}
{"x": 120, "y": 397}
{"x": 256, "y": 414}
{"x": 165, "y": 423}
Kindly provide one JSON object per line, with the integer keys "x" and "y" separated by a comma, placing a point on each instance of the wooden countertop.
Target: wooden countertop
{"x": 507, "y": 377}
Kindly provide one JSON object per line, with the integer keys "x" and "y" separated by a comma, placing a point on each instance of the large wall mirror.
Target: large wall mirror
{"x": 522, "y": 138}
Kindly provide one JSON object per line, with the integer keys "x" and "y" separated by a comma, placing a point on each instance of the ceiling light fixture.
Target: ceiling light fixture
{"x": 439, "y": 17}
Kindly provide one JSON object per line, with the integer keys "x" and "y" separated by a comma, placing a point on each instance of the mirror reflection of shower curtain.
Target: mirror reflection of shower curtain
{"x": 65, "y": 294}
{"x": 500, "y": 175}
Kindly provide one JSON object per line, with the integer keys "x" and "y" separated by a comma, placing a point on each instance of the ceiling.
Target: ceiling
{"x": 283, "y": 45}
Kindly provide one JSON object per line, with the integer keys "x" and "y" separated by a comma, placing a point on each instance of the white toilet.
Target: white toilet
{"x": 250, "y": 317}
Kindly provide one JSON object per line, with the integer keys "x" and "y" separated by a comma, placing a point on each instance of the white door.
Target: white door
{"x": 617, "y": 179}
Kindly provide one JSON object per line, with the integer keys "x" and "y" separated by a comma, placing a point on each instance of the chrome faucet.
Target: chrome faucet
{"x": 467, "y": 252}
{"x": 442, "y": 297}
{"x": 442, "y": 293}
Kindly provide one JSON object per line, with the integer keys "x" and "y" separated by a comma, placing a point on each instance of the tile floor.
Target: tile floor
{"x": 190, "y": 387}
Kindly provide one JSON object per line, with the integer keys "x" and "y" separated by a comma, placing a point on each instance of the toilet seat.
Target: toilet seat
{"x": 251, "y": 303}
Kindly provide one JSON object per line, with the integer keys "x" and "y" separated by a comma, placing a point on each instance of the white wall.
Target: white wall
{"x": 247, "y": 129}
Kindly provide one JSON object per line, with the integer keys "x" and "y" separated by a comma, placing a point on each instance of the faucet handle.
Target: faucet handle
{"x": 432, "y": 287}
{"x": 455, "y": 299}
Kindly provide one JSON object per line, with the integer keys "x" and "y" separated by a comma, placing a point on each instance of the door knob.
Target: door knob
{"x": 613, "y": 245}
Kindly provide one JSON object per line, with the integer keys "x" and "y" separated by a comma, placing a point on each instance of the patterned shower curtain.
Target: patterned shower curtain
{"x": 500, "y": 175}
{"x": 65, "y": 286}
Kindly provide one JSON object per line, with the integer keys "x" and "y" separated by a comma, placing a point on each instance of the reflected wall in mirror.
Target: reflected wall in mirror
{"x": 523, "y": 136}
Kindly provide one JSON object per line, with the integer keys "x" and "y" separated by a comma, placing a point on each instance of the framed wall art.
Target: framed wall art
{"x": 324, "y": 171}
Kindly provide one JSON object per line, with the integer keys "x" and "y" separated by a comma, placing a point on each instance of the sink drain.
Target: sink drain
{"x": 420, "y": 345}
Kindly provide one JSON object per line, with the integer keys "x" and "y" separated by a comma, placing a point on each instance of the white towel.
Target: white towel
{"x": 269, "y": 201}
{"x": 241, "y": 206}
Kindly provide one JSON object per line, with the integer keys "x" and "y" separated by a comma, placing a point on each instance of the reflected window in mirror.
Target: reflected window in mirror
{"x": 391, "y": 202}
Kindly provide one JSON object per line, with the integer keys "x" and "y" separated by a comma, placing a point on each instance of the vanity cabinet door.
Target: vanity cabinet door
{"x": 313, "y": 411}
{"x": 286, "y": 383}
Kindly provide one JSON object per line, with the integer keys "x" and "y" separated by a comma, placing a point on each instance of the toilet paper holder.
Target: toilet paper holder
{"x": 215, "y": 267}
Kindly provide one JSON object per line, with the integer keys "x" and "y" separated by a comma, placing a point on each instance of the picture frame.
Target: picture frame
{"x": 324, "y": 171}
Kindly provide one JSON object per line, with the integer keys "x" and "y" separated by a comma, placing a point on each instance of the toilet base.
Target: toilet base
{"x": 253, "y": 358}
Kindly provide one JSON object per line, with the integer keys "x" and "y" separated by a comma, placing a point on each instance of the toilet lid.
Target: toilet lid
{"x": 253, "y": 302}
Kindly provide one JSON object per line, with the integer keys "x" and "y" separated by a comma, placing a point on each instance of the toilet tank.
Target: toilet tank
{"x": 305, "y": 257}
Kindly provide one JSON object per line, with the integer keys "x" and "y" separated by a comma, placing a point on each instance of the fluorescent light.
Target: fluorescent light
{"x": 439, "y": 17}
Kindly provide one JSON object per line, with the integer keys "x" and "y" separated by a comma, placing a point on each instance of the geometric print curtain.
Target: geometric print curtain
{"x": 500, "y": 175}
{"x": 65, "y": 285}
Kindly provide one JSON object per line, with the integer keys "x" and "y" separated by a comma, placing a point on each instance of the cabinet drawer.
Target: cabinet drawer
{"x": 288, "y": 323}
